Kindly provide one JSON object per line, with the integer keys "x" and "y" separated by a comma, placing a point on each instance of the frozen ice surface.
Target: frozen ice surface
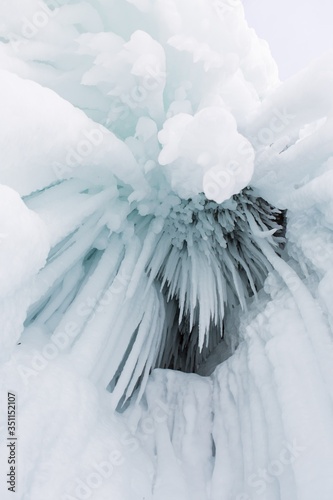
{"x": 144, "y": 145}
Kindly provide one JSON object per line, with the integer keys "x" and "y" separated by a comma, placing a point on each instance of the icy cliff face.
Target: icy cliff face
{"x": 149, "y": 249}
{"x": 154, "y": 149}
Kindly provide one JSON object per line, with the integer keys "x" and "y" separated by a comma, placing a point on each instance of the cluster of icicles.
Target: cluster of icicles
{"x": 143, "y": 270}
{"x": 156, "y": 292}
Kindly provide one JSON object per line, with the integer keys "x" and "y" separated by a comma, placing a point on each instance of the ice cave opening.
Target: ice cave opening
{"x": 221, "y": 235}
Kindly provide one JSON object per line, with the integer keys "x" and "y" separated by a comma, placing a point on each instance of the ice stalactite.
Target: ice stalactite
{"x": 156, "y": 297}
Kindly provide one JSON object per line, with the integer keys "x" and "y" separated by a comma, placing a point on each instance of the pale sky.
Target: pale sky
{"x": 296, "y": 30}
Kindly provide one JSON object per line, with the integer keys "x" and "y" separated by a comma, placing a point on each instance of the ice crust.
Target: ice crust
{"x": 115, "y": 118}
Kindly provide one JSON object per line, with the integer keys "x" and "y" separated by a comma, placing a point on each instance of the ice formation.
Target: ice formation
{"x": 166, "y": 207}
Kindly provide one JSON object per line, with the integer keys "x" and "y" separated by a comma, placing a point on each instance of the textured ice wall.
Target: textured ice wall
{"x": 113, "y": 114}
{"x": 119, "y": 181}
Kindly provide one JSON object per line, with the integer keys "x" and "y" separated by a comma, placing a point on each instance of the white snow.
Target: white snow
{"x": 208, "y": 140}
{"x": 46, "y": 125}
